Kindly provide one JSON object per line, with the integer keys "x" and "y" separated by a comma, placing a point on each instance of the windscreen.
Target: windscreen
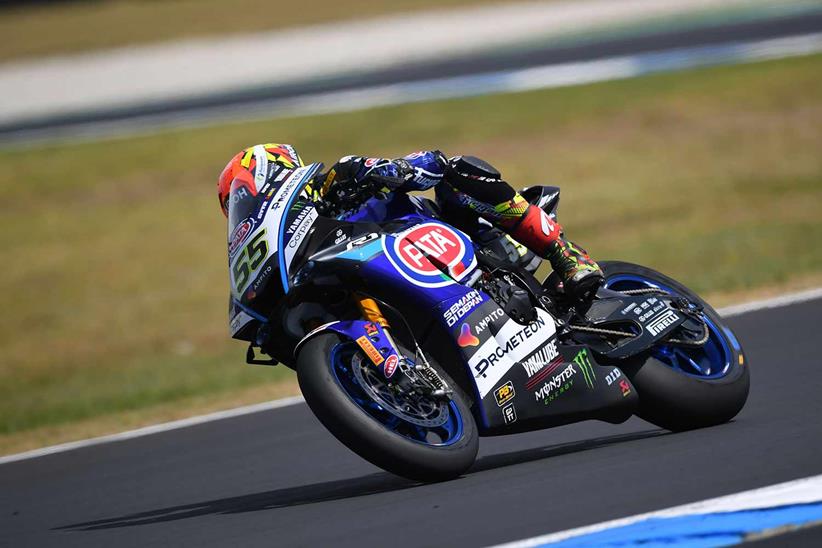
{"x": 263, "y": 224}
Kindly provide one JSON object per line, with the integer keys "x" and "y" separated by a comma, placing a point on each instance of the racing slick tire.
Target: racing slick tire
{"x": 364, "y": 434}
{"x": 674, "y": 399}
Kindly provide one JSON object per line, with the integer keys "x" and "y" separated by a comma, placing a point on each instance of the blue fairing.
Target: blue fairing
{"x": 357, "y": 330}
{"x": 384, "y": 265}
{"x": 395, "y": 206}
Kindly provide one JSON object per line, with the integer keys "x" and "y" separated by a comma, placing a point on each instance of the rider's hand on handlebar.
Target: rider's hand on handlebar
{"x": 347, "y": 193}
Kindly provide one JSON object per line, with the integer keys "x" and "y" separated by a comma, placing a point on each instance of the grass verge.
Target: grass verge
{"x": 114, "y": 257}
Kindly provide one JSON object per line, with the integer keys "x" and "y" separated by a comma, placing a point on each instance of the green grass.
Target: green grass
{"x": 115, "y": 279}
{"x": 79, "y": 26}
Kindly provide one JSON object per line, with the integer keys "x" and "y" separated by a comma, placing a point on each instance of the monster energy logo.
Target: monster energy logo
{"x": 584, "y": 363}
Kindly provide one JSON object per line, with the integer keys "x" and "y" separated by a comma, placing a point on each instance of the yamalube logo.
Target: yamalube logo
{"x": 540, "y": 359}
{"x": 430, "y": 254}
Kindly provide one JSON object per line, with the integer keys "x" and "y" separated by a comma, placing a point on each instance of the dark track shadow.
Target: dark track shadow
{"x": 527, "y": 455}
{"x": 335, "y": 490}
{"x": 266, "y": 500}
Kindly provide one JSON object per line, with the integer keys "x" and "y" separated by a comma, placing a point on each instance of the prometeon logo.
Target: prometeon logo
{"x": 501, "y": 351}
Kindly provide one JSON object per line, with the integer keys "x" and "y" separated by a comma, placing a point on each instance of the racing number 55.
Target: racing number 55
{"x": 249, "y": 260}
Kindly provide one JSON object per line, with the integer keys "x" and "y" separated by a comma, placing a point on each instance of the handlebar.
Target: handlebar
{"x": 350, "y": 195}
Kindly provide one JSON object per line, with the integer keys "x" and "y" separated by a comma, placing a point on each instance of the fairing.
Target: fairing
{"x": 400, "y": 253}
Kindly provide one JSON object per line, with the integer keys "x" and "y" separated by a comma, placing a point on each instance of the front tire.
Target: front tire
{"x": 678, "y": 391}
{"x": 363, "y": 426}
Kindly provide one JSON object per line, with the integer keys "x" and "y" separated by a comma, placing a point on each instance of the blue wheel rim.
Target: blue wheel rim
{"x": 710, "y": 361}
{"x": 439, "y": 436}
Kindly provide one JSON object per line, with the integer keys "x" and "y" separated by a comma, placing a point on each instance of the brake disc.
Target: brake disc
{"x": 415, "y": 409}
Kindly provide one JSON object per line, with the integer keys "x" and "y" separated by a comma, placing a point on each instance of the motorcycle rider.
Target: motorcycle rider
{"x": 466, "y": 189}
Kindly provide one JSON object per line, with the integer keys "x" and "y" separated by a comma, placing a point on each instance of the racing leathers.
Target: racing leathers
{"x": 467, "y": 188}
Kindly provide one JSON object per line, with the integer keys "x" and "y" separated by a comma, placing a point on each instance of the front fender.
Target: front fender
{"x": 369, "y": 336}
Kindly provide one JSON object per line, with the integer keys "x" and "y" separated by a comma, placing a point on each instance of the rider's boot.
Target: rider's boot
{"x": 528, "y": 224}
{"x": 580, "y": 275}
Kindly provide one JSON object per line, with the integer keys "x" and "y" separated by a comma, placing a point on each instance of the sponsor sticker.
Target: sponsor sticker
{"x": 430, "y": 254}
{"x": 509, "y": 414}
{"x": 339, "y": 236}
{"x": 625, "y": 387}
{"x": 371, "y": 329}
{"x": 611, "y": 377}
{"x": 555, "y": 386}
{"x": 238, "y": 321}
{"x": 391, "y": 365}
{"x": 547, "y": 225}
{"x": 425, "y": 179}
{"x": 662, "y": 322}
{"x": 370, "y": 350}
{"x": 501, "y": 351}
{"x": 504, "y": 393}
{"x": 584, "y": 362}
{"x": 511, "y": 343}
{"x": 483, "y": 324}
{"x": 540, "y": 359}
{"x": 467, "y": 338}
{"x": 238, "y": 236}
{"x": 261, "y": 166}
{"x": 426, "y": 245}
{"x": 459, "y": 309}
{"x": 261, "y": 278}
{"x": 236, "y": 195}
{"x": 297, "y": 232}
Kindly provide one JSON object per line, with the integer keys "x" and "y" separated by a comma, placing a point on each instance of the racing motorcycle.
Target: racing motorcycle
{"x": 411, "y": 338}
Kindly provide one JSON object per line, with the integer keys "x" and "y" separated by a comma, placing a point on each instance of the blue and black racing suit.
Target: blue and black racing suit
{"x": 467, "y": 188}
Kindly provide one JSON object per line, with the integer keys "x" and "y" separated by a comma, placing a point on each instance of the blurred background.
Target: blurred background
{"x": 686, "y": 135}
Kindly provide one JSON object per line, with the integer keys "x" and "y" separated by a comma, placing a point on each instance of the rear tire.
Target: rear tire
{"x": 671, "y": 398}
{"x": 369, "y": 438}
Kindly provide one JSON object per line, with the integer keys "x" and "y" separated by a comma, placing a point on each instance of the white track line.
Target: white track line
{"x": 801, "y": 491}
{"x": 154, "y": 429}
{"x": 449, "y": 87}
{"x": 774, "y": 302}
{"x": 735, "y": 310}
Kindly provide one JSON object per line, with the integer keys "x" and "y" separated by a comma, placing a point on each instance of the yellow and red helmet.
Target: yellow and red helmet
{"x": 241, "y": 170}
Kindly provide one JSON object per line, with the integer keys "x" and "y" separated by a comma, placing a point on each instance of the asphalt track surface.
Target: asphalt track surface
{"x": 277, "y": 478}
{"x": 215, "y": 106}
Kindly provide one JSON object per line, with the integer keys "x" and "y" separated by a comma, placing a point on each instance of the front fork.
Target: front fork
{"x": 371, "y": 312}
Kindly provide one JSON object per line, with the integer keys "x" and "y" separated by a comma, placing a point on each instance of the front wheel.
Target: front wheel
{"x": 411, "y": 435}
{"x": 682, "y": 387}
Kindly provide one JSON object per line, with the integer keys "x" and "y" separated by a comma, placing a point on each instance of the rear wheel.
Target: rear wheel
{"x": 683, "y": 387}
{"x": 410, "y": 434}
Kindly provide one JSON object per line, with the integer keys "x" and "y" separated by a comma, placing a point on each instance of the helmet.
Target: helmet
{"x": 241, "y": 170}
